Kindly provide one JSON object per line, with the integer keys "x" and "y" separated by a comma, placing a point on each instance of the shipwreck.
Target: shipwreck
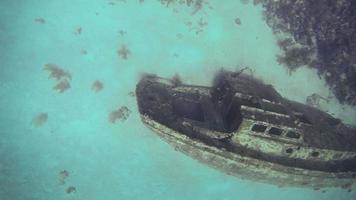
{"x": 246, "y": 128}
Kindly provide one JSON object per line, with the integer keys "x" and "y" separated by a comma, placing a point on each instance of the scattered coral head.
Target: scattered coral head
{"x": 40, "y": 119}
{"x": 123, "y": 52}
{"x": 71, "y": 189}
{"x": 40, "y": 20}
{"x": 120, "y": 114}
{"x": 97, "y": 86}
{"x": 63, "y": 175}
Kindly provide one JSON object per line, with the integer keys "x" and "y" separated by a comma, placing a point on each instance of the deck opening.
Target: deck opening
{"x": 259, "y": 128}
{"x": 188, "y": 109}
{"x": 292, "y": 134}
{"x": 275, "y": 131}
{"x": 315, "y": 154}
{"x": 232, "y": 118}
{"x": 289, "y": 150}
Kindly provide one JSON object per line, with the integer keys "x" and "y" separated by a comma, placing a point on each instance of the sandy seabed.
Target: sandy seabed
{"x": 69, "y": 124}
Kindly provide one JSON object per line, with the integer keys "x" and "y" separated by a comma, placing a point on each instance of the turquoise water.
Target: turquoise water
{"x": 76, "y": 152}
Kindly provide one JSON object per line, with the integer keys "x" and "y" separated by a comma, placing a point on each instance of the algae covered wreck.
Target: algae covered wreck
{"x": 245, "y": 128}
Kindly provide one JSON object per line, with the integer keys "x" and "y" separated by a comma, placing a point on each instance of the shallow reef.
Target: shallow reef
{"x": 321, "y": 36}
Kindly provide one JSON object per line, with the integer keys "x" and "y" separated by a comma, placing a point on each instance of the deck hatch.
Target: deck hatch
{"x": 293, "y": 134}
{"x": 259, "y": 128}
{"x": 275, "y": 131}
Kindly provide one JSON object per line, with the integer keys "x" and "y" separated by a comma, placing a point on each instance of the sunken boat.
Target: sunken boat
{"x": 246, "y": 128}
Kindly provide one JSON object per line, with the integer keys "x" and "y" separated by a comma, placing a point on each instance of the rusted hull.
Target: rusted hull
{"x": 246, "y": 167}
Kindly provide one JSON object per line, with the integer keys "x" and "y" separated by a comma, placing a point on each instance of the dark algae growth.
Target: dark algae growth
{"x": 62, "y": 77}
{"x": 319, "y": 34}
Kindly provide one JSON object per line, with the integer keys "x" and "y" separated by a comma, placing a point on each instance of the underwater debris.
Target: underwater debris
{"x": 120, "y": 114}
{"x": 111, "y": 3}
{"x": 123, "y": 52}
{"x": 62, "y": 176}
{"x": 237, "y": 21}
{"x": 40, "y": 119}
{"x": 314, "y": 100}
{"x": 40, "y": 20}
{"x": 71, "y": 189}
{"x": 97, "y": 86}
{"x": 62, "y": 86}
{"x": 56, "y": 72}
{"x": 325, "y": 28}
